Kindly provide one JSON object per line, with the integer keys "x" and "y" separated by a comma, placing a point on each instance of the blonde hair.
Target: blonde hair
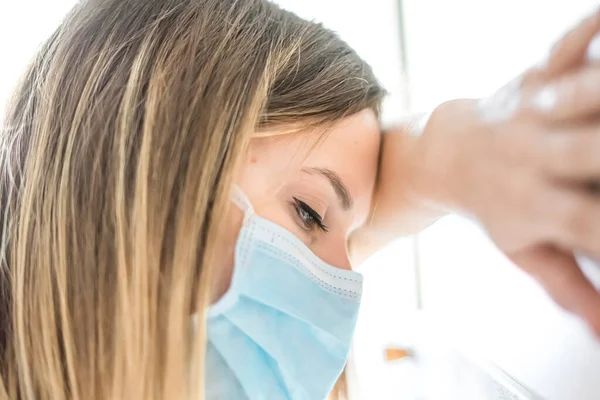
{"x": 117, "y": 154}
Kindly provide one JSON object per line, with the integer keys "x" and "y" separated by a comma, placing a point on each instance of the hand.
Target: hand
{"x": 526, "y": 171}
{"x": 519, "y": 162}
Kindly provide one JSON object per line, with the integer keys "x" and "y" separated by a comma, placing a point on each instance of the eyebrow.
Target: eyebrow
{"x": 338, "y": 185}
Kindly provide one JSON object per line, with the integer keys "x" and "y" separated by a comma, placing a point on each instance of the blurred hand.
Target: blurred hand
{"x": 520, "y": 162}
{"x": 530, "y": 155}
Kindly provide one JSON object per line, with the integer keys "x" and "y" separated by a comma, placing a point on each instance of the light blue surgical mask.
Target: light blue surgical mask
{"x": 283, "y": 329}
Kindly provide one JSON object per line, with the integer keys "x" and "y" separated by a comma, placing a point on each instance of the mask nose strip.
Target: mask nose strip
{"x": 240, "y": 199}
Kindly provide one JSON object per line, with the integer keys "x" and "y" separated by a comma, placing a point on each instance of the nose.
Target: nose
{"x": 336, "y": 254}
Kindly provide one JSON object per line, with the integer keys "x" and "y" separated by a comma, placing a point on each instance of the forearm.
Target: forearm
{"x": 414, "y": 183}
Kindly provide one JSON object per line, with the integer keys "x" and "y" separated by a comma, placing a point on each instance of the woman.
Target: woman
{"x": 219, "y": 158}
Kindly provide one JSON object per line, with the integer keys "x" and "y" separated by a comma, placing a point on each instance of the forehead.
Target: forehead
{"x": 350, "y": 148}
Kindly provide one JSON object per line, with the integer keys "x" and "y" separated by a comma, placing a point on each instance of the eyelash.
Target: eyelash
{"x": 309, "y": 217}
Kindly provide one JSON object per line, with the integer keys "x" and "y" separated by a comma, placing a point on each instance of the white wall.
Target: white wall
{"x": 24, "y": 24}
{"x": 467, "y": 48}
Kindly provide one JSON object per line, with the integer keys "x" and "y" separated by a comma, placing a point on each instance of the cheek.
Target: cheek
{"x": 334, "y": 250}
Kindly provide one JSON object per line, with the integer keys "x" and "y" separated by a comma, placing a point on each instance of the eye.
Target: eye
{"x": 308, "y": 217}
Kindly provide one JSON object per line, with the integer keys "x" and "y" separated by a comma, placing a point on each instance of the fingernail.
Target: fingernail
{"x": 545, "y": 99}
{"x": 593, "y": 50}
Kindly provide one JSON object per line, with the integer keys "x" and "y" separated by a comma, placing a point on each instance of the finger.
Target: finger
{"x": 573, "y": 219}
{"x": 580, "y": 44}
{"x": 571, "y": 153}
{"x": 560, "y": 275}
{"x": 571, "y": 50}
{"x": 573, "y": 95}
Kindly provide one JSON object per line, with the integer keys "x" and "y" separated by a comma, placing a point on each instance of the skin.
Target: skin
{"x": 524, "y": 178}
{"x": 282, "y": 168}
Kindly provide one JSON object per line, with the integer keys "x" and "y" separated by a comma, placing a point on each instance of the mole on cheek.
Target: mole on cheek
{"x": 253, "y": 160}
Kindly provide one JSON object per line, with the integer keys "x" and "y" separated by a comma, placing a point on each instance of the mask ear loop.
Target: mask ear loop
{"x": 240, "y": 199}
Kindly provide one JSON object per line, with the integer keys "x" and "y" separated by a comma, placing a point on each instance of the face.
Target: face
{"x": 317, "y": 187}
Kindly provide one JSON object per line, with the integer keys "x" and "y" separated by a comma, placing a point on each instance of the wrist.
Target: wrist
{"x": 442, "y": 157}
